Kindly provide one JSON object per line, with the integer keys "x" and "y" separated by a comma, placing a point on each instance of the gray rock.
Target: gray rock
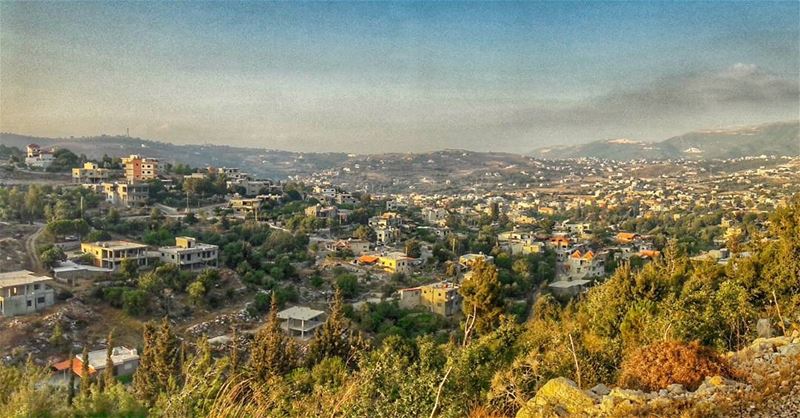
{"x": 790, "y": 350}
{"x": 763, "y": 328}
{"x": 676, "y": 388}
{"x": 601, "y": 390}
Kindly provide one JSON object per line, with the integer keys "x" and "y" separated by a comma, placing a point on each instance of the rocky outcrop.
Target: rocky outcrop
{"x": 768, "y": 385}
{"x": 559, "y": 397}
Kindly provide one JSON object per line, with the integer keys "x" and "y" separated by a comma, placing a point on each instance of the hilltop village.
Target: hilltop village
{"x": 93, "y": 249}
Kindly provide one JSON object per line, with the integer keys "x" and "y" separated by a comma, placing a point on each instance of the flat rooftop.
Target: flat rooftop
{"x": 195, "y": 246}
{"x": 119, "y": 355}
{"x": 301, "y": 313}
{"x": 21, "y": 277}
{"x": 117, "y": 245}
{"x": 68, "y": 266}
{"x": 566, "y": 284}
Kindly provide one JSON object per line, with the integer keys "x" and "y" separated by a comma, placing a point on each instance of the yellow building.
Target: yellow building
{"x": 440, "y": 298}
{"x": 128, "y": 194}
{"x": 89, "y": 173}
{"x": 246, "y": 206}
{"x": 110, "y": 254}
{"x": 396, "y": 263}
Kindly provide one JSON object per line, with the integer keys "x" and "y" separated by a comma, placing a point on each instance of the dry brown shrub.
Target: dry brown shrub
{"x": 483, "y": 412}
{"x": 661, "y": 364}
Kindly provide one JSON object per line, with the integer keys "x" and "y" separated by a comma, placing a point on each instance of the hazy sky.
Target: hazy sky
{"x": 372, "y": 77}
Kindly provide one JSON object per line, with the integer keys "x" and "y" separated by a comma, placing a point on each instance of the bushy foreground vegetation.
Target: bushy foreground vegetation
{"x": 668, "y": 315}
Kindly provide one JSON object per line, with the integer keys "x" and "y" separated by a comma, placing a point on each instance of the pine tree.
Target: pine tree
{"x": 85, "y": 378}
{"x": 273, "y": 352}
{"x": 145, "y": 384}
{"x": 108, "y": 375}
{"x": 71, "y": 388}
{"x": 166, "y": 356}
{"x": 483, "y": 296}
{"x": 160, "y": 365}
{"x": 57, "y": 339}
{"x": 332, "y": 338}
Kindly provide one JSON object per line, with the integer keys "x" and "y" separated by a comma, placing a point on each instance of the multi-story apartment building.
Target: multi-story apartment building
{"x": 324, "y": 212}
{"x": 138, "y": 168}
{"x": 583, "y": 266}
{"x": 357, "y": 246}
{"x": 127, "y": 194}
{"x": 440, "y": 298}
{"x": 435, "y": 216}
{"x": 23, "y": 292}
{"x": 300, "y": 321}
{"x": 246, "y": 206}
{"x": 469, "y": 260}
{"x": 396, "y": 262}
{"x": 90, "y": 173}
{"x": 38, "y": 157}
{"x": 110, "y": 254}
{"x": 189, "y": 254}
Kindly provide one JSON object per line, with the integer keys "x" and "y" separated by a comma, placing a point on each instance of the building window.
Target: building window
{"x": 40, "y": 301}
{"x": 29, "y": 303}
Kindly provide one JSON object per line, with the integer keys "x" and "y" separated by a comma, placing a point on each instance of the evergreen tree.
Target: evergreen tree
{"x": 108, "y": 374}
{"x": 273, "y": 352}
{"x": 483, "y": 296}
{"x": 333, "y": 338}
{"x": 167, "y": 355}
{"x": 85, "y": 378}
{"x": 143, "y": 379}
{"x": 71, "y": 388}
{"x": 57, "y": 339}
{"x": 159, "y": 365}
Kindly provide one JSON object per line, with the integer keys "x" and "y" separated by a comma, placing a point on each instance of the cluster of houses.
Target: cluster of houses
{"x": 131, "y": 186}
{"x": 38, "y": 157}
{"x": 24, "y": 292}
{"x": 130, "y": 190}
{"x": 187, "y": 253}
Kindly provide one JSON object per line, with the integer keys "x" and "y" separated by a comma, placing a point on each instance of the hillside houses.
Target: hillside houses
{"x": 23, "y": 292}
{"x": 38, "y": 157}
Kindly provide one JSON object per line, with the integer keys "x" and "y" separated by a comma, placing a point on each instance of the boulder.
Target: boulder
{"x": 790, "y": 350}
{"x": 763, "y": 328}
{"x": 676, "y": 389}
{"x": 558, "y": 397}
{"x": 600, "y": 390}
{"x": 716, "y": 381}
{"x": 635, "y": 396}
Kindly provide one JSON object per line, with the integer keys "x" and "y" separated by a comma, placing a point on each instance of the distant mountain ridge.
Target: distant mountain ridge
{"x": 779, "y": 138}
{"x": 771, "y": 139}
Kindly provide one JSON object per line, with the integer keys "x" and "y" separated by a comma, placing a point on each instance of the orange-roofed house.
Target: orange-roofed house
{"x": 125, "y": 360}
{"x": 626, "y": 237}
{"x": 367, "y": 259}
{"x": 559, "y": 242}
{"x": 581, "y": 265}
{"x": 649, "y": 253}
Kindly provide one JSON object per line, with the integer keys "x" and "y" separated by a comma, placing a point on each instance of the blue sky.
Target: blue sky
{"x": 409, "y": 76}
